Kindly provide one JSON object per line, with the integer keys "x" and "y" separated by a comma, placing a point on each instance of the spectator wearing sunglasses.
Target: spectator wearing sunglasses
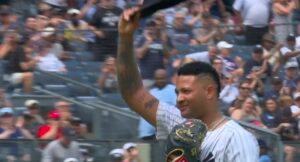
{"x": 32, "y": 118}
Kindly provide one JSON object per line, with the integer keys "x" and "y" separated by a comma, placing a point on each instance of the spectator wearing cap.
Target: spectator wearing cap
{"x": 180, "y": 33}
{"x": 271, "y": 51}
{"x": 52, "y": 129}
{"x": 254, "y": 15}
{"x": 63, "y": 148}
{"x": 209, "y": 31}
{"x": 116, "y": 155}
{"x": 290, "y": 74}
{"x": 4, "y": 100}
{"x": 55, "y": 39}
{"x": 288, "y": 55}
{"x": 271, "y": 111}
{"x": 282, "y": 10}
{"x": 276, "y": 88}
{"x": 131, "y": 152}
{"x": 231, "y": 65}
{"x": 32, "y": 118}
{"x": 291, "y": 42}
{"x": 105, "y": 20}
{"x": 76, "y": 28}
{"x": 151, "y": 51}
{"x": 257, "y": 65}
{"x": 205, "y": 56}
{"x": 13, "y": 130}
{"x": 20, "y": 64}
{"x": 79, "y": 127}
{"x": 59, "y": 4}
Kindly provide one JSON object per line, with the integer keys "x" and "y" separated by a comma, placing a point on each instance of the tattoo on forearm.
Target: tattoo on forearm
{"x": 128, "y": 76}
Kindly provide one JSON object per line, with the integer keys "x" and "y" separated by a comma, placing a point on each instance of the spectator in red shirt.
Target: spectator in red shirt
{"x": 52, "y": 129}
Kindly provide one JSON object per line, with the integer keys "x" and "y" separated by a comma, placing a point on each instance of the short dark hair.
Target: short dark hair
{"x": 200, "y": 68}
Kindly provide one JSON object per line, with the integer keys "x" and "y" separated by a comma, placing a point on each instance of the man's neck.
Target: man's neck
{"x": 212, "y": 116}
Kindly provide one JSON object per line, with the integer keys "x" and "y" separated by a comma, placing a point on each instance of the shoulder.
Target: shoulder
{"x": 238, "y": 132}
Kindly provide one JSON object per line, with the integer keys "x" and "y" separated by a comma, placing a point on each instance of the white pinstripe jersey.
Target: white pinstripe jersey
{"x": 229, "y": 143}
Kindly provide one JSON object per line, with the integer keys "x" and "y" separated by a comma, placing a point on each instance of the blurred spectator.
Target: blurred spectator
{"x": 30, "y": 34}
{"x": 209, "y": 31}
{"x": 131, "y": 153}
{"x": 282, "y": 10}
{"x": 285, "y": 101}
{"x": 271, "y": 111}
{"x": 231, "y": 65}
{"x": 165, "y": 92}
{"x": 51, "y": 36}
{"x": 151, "y": 50}
{"x": 295, "y": 109}
{"x": 193, "y": 17}
{"x": 7, "y": 21}
{"x": 227, "y": 24}
{"x": 20, "y": 61}
{"x": 4, "y": 100}
{"x": 64, "y": 110}
{"x": 79, "y": 127}
{"x": 63, "y": 148}
{"x": 180, "y": 33}
{"x": 88, "y": 10}
{"x": 14, "y": 130}
{"x": 276, "y": 88}
{"x": 76, "y": 28}
{"x": 107, "y": 80}
{"x": 45, "y": 9}
{"x": 206, "y": 56}
{"x": 116, "y": 155}
{"x": 106, "y": 20}
{"x": 49, "y": 61}
{"x": 52, "y": 129}
{"x": 257, "y": 86}
{"x": 249, "y": 113}
{"x": 255, "y": 16}
{"x": 257, "y": 65}
{"x": 290, "y": 76}
{"x": 228, "y": 93}
{"x": 271, "y": 51}
{"x": 289, "y": 56}
{"x": 32, "y": 118}
{"x": 291, "y": 42}
{"x": 287, "y": 127}
{"x": 244, "y": 92}
{"x": 71, "y": 160}
{"x": 217, "y": 63}
{"x": 60, "y": 4}
{"x": 263, "y": 151}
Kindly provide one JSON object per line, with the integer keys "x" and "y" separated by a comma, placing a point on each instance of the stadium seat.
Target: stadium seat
{"x": 73, "y": 65}
{"x": 44, "y": 79}
{"x": 114, "y": 99}
{"x": 60, "y": 89}
{"x": 76, "y": 90}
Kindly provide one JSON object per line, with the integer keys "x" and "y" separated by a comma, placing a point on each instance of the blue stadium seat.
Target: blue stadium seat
{"x": 78, "y": 76}
{"x": 92, "y": 66}
{"x": 60, "y": 89}
{"x": 76, "y": 91}
{"x": 114, "y": 99}
{"x": 73, "y": 65}
{"x": 44, "y": 79}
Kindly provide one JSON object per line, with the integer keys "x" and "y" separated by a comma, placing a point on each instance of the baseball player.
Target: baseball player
{"x": 197, "y": 89}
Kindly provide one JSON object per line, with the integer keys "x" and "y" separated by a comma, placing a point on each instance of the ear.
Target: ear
{"x": 210, "y": 91}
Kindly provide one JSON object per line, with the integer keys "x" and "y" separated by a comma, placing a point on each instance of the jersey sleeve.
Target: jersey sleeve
{"x": 167, "y": 117}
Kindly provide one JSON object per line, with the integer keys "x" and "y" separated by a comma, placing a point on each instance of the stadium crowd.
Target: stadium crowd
{"x": 254, "y": 45}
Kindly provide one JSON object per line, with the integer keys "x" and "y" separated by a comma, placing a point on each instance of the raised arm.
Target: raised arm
{"x": 129, "y": 79}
